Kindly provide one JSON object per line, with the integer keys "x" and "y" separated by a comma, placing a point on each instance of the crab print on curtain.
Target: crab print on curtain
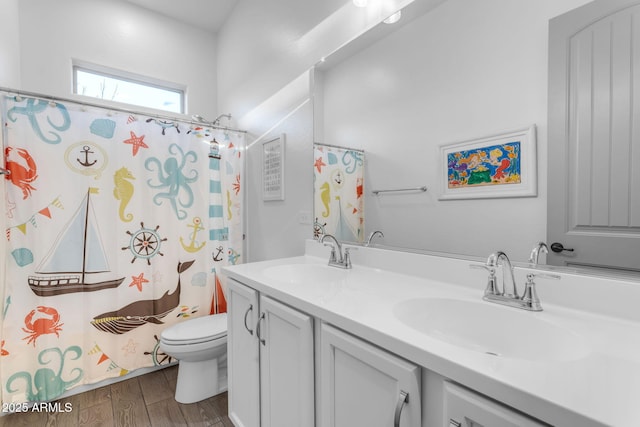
{"x": 116, "y": 226}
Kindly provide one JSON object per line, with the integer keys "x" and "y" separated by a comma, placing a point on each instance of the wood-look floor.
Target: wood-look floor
{"x": 146, "y": 400}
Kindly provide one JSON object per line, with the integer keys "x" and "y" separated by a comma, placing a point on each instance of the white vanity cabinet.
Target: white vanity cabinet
{"x": 364, "y": 386}
{"x": 271, "y": 374}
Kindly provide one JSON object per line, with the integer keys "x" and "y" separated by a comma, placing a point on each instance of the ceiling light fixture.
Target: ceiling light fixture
{"x": 393, "y": 18}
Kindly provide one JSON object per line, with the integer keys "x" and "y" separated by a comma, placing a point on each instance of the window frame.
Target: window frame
{"x": 129, "y": 77}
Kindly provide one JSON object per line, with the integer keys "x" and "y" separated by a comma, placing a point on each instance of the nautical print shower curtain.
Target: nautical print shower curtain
{"x": 116, "y": 225}
{"x": 338, "y": 199}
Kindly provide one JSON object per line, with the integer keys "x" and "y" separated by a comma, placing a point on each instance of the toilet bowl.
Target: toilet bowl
{"x": 200, "y": 346}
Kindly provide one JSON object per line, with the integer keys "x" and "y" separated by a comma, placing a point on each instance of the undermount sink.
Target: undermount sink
{"x": 492, "y": 329}
{"x": 305, "y": 273}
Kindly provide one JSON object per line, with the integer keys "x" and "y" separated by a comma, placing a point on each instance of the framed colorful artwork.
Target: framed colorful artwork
{"x": 502, "y": 165}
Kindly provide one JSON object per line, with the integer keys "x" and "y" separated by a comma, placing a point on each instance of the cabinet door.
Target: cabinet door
{"x": 464, "y": 408}
{"x": 364, "y": 386}
{"x": 243, "y": 352}
{"x": 286, "y": 366}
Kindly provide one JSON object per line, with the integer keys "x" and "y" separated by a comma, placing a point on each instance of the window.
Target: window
{"x": 121, "y": 87}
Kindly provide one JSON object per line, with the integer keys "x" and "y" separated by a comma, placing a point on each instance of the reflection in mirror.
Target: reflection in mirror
{"x": 338, "y": 180}
{"x": 454, "y": 72}
{"x": 594, "y": 199}
{"x": 442, "y": 77}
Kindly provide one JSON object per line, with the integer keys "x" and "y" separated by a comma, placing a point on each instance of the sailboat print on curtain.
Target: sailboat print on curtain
{"x": 68, "y": 265}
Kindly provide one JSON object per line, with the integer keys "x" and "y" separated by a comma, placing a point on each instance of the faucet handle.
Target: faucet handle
{"x": 530, "y": 296}
{"x": 347, "y": 256}
{"x": 531, "y": 276}
{"x": 332, "y": 256}
{"x": 492, "y": 283}
{"x": 490, "y": 269}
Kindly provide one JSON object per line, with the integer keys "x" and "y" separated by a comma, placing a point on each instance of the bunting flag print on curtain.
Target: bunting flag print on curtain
{"x": 108, "y": 240}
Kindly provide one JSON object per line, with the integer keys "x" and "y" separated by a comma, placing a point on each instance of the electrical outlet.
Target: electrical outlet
{"x": 305, "y": 217}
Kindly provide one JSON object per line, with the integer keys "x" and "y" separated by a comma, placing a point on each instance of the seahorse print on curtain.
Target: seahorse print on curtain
{"x": 108, "y": 238}
{"x": 338, "y": 193}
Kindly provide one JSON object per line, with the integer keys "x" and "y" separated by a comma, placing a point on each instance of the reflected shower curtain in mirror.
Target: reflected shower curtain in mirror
{"x": 338, "y": 198}
{"x": 115, "y": 226}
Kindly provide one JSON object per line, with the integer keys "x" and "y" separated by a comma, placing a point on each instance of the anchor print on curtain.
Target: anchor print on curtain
{"x": 338, "y": 199}
{"x": 116, "y": 225}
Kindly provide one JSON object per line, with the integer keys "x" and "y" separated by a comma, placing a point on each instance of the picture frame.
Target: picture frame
{"x": 273, "y": 169}
{"x": 495, "y": 166}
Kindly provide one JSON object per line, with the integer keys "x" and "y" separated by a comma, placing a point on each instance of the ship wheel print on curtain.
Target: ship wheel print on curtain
{"x": 144, "y": 243}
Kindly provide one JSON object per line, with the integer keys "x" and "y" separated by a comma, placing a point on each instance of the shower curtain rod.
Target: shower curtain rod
{"x": 340, "y": 147}
{"x": 18, "y": 92}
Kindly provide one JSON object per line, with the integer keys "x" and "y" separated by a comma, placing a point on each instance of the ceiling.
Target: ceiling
{"x": 208, "y": 15}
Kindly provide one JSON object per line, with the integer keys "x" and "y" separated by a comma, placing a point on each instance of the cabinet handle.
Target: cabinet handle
{"x": 402, "y": 400}
{"x": 262, "y": 341}
{"x": 245, "y": 319}
{"x": 454, "y": 423}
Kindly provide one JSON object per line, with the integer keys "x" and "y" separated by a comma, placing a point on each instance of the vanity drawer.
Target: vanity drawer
{"x": 465, "y": 408}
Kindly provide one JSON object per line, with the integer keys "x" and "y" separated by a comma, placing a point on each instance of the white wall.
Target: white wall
{"x": 465, "y": 70}
{"x": 273, "y": 227}
{"x": 9, "y": 44}
{"x": 264, "y": 45}
{"x": 119, "y": 35}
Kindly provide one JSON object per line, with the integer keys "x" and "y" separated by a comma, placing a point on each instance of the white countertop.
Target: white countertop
{"x": 601, "y": 387}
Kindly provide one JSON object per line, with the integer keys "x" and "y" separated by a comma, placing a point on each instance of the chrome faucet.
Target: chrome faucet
{"x": 372, "y": 235}
{"x": 507, "y": 273}
{"x": 541, "y": 247}
{"x": 336, "y": 258}
{"x": 509, "y": 294}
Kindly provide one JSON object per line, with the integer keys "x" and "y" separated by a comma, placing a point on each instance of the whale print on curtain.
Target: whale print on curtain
{"x": 338, "y": 202}
{"x": 110, "y": 238}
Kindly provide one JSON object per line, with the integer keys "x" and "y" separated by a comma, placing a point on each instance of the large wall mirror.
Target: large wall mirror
{"x": 453, "y": 71}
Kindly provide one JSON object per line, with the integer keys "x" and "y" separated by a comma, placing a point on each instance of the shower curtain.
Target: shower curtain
{"x": 338, "y": 192}
{"x": 116, "y": 225}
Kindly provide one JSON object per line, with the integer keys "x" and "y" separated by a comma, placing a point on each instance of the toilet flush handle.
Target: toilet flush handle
{"x": 245, "y": 319}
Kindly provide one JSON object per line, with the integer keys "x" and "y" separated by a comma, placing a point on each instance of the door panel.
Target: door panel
{"x": 286, "y": 366}
{"x": 363, "y": 386}
{"x": 243, "y": 360}
{"x": 594, "y": 135}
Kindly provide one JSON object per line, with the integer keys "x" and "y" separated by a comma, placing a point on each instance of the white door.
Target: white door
{"x": 286, "y": 366}
{"x": 243, "y": 356}
{"x": 594, "y": 136}
{"x": 364, "y": 386}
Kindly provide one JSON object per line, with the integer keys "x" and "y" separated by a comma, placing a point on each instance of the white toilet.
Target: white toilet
{"x": 200, "y": 345}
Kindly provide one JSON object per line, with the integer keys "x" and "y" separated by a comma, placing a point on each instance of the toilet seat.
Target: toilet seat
{"x": 195, "y": 331}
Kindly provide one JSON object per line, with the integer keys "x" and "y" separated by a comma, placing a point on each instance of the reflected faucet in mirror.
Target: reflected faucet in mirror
{"x": 372, "y": 235}
{"x": 541, "y": 247}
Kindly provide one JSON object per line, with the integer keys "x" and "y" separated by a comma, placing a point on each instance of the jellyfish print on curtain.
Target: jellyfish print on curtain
{"x": 338, "y": 192}
{"x": 109, "y": 237}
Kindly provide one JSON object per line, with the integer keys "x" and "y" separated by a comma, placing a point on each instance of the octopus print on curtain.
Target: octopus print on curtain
{"x": 338, "y": 198}
{"x": 110, "y": 238}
